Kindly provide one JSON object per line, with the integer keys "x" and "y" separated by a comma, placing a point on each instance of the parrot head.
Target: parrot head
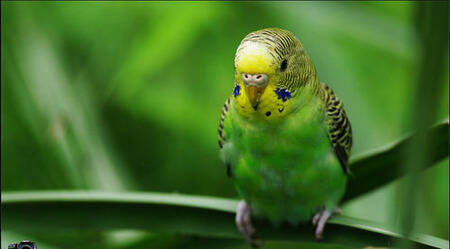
{"x": 271, "y": 57}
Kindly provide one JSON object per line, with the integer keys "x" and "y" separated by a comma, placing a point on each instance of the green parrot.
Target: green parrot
{"x": 283, "y": 135}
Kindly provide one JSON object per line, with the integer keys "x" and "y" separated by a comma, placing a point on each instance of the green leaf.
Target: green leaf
{"x": 380, "y": 167}
{"x": 163, "y": 241}
{"x": 61, "y": 211}
{"x": 214, "y": 217}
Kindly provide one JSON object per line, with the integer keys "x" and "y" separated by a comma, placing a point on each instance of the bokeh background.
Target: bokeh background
{"x": 127, "y": 96}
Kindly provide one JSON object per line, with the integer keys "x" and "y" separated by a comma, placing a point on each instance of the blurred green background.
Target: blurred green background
{"x": 127, "y": 96}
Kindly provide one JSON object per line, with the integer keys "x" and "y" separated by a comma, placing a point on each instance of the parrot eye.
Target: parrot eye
{"x": 283, "y": 65}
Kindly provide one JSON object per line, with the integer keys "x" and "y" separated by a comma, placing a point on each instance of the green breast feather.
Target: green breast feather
{"x": 286, "y": 170}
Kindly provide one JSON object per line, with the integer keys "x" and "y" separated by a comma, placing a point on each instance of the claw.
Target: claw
{"x": 244, "y": 223}
{"x": 315, "y": 219}
{"x": 320, "y": 219}
{"x": 337, "y": 211}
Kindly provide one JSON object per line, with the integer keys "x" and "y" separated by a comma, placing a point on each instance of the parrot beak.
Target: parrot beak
{"x": 255, "y": 84}
{"x": 254, "y": 94}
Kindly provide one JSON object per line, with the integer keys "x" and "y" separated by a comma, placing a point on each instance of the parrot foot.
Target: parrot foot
{"x": 320, "y": 219}
{"x": 244, "y": 223}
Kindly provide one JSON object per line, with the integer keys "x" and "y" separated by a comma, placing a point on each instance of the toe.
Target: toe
{"x": 337, "y": 211}
{"x": 318, "y": 234}
{"x": 243, "y": 221}
{"x": 324, "y": 216}
{"x": 316, "y": 218}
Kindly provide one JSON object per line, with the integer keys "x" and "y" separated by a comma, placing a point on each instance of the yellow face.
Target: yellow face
{"x": 259, "y": 98}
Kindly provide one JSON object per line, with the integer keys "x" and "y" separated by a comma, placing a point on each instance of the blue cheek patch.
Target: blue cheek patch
{"x": 283, "y": 94}
{"x": 236, "y": 90}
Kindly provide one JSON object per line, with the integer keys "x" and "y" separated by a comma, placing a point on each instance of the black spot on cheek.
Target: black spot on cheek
{"x": 281, "y": 109}
{"x": 268, "y": 114}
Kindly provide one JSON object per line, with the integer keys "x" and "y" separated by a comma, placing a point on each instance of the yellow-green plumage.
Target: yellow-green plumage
{"x": 286, "y": 146}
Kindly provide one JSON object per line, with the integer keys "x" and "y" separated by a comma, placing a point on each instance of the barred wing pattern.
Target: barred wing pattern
{"x": 221, "y": 137}
{"x": 339, "y": 128}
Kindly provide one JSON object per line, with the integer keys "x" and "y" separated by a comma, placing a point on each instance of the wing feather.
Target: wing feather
{"x": 221, "y": 136}
{"x": 340, "y": 130}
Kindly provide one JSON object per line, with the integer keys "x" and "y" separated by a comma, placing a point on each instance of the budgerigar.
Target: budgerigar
{"x": 283, "y": 135}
